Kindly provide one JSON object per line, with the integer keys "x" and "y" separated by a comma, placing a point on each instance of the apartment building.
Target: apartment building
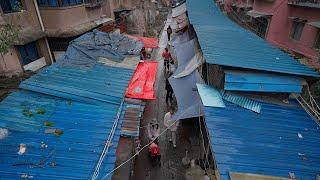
{"x": 293, "y": 25}
{"x": 47, "y": 27}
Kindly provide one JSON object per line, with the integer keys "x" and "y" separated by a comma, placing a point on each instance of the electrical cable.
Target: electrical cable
{"x": 107, "y": 144}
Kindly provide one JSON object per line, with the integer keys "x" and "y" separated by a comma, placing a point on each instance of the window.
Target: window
{"x": 10, "y": 6}
{"x": 28, "y": 53}
{"x": 317, "y": 42}
{"x": 297, "y": 29}
{"x": 59, "y": 3}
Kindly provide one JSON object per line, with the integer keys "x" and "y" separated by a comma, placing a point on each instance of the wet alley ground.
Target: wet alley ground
{"x": 188, "y": 135}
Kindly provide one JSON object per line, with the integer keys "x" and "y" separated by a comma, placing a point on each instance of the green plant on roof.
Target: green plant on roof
{"x": 41, "y": 111}
{"x": 27, "y": 112}
{"x": 69, "y": 103}
{"x": 48, "y": 123}
{"x": 58, "y": 132}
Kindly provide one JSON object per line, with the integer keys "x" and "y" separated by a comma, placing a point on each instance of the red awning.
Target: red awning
{"x": 142, "y": 82}
{"x": 148, "y": 42}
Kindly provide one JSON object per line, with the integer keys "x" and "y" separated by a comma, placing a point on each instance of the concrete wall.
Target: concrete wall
{"x": 27, "y": 19}
{"x": 67, "y": 17}
{"x": 10, "y": 64}
{"x": 123, "y": 4}
{"x": 280, "y": 26}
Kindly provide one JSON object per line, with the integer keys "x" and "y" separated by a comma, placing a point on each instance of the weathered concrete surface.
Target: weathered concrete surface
{"x": 187, "y": 134}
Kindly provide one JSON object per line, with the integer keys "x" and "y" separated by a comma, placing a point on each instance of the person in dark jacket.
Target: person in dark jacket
{"x": 169, "y": 91}
{"x": 169, "y": 32}
{"x": 143, "y": 54}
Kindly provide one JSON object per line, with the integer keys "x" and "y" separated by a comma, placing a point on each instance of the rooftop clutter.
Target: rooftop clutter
{"x": 69, "y": 110}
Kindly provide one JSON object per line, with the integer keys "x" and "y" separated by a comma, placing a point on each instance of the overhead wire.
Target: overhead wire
{"x": 108, "y": 143}
{"x": 137, "y": 153}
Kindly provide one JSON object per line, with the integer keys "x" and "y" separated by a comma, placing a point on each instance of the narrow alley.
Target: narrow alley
{"x": 188, "y": 137}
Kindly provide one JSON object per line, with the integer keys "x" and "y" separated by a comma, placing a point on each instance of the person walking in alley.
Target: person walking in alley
{"x": 153, "y": 130}
{"x": 169, "y": 92}
{"x": 166, "y": 59}
{"x": 169, "y": 32}
{"x": 143, "y": 54}
{"x": 172, "y": 125}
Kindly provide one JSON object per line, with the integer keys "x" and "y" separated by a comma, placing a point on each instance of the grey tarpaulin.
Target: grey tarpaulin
{"x": 179, "y": 38}
{"x": 85, "y": 50}
{"x": 188, "y": 59}
{"x": 185, "y": 88}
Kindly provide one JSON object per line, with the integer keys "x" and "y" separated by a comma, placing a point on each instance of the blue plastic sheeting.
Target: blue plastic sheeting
{"x": 261, "y": 82}
{"x": 223, "y": 42}
{"x": 86, "y": 50}
{"x": 242, "y": 101}
{"x": 72, "y": 155}
{"x": 210, "y": 96}
{"x": 95, "y": 85}
{"x": 266, "y": 143}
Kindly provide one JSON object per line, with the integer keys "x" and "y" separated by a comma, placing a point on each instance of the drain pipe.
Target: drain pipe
{"x": 43, "y": 30}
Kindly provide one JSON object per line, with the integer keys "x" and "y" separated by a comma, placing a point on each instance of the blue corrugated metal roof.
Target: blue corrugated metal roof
{"x": 82, "y": 97}
{"x": 261, "y": 82}
{"x": 242, "y": 101}
{"x": 210, "y": 96}
{"x": 72, "y": 155}
{"x": 266, "y": 143}
{"x": 97, "y": 84}
{"x": 223, "y": 42}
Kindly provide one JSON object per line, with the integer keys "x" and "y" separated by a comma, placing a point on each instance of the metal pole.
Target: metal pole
{"x": 43, "y": 30}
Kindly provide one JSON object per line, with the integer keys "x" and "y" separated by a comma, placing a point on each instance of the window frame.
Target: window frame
{"x": 295, "y": 26}
{"x": 26, "y": 50}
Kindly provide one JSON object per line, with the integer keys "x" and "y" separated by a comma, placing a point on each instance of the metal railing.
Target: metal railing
{"x": 93, "y": 3}
{"x": 305, "y": 2}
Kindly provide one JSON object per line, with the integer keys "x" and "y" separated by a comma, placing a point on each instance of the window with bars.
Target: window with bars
{"x": 10, "y": 6}
{"x": 297, "y": 29}
{"x": 59, "y": 3}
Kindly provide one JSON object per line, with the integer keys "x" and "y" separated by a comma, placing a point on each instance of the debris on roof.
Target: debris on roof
{"x": 67, "y": 110}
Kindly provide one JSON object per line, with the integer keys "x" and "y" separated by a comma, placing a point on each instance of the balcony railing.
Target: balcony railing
{"x": 305, "y": 3}
{"x": 93, "y": 3}
{"x": 58, "y": 3}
